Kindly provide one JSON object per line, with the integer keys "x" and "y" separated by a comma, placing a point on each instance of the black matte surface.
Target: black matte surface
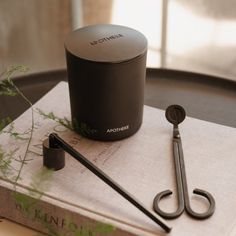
{"x": 204, "y": 97}
{"x": 106, "y": 43}
{"x": 106, "y": 67}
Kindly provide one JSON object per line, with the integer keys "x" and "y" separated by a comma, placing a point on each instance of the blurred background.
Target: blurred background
{"x": 198, "y": 36}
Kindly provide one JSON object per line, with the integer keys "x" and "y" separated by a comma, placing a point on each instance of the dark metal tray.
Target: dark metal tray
{"x": 205, "y": 97}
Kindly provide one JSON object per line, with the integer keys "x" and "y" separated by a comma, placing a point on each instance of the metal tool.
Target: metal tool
{"x": 175, "y": 114}
{"x": 53, "y": 158}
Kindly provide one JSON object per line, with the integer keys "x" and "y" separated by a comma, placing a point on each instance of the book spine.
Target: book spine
{"x": 52, "y": 219}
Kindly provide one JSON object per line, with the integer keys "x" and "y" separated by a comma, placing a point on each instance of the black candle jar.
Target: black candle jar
{"x": 106, "y": 67}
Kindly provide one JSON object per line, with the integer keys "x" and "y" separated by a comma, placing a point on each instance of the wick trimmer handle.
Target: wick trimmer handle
{"x": 54, "y": 158}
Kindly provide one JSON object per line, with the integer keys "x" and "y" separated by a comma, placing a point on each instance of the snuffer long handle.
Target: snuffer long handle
{"x": 56, "y": 141}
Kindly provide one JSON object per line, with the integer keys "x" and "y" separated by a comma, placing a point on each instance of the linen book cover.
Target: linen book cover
{"x": 75, "y": 198}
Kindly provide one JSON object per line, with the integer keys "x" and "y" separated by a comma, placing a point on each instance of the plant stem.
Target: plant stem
{"x": 31, "y": 132}
{"x": 32, "y": 125}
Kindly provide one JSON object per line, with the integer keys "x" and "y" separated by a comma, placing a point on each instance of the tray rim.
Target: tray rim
{"x": 61, "y": 75}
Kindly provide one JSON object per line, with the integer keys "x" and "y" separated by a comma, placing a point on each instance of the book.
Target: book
{"x": 142, "y": 164}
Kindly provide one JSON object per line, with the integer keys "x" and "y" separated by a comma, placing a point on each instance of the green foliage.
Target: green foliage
{"x": 6, "y": 158}
{"x": 40, "y": 181}
{"x": 85, "y": 230}
{"x": 8, "y": 74}
{"x": 104, "y": 228}
{"x": 81, "y": 127}
{"x": 4, "y": 122}
{"x": 94, "y": 230}
{"x": 62, "y": 121}
{"x": 11, "y": 129}
{"x": 25, "y": 203}
{"x": 7, "y": 86}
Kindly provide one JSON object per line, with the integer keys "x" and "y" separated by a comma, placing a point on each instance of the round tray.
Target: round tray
{"x": 205, "y": 97}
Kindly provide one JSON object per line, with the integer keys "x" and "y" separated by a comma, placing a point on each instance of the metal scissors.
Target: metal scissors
{"x": 175, "y": 114}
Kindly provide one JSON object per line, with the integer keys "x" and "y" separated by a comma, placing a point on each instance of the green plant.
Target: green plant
{"x": 62, "y": 121}
{"x": 6, "y": 169}
{"x": 40, "y": 181}
{"x": 81, "y": 127}
{"x": 8, "y": 88}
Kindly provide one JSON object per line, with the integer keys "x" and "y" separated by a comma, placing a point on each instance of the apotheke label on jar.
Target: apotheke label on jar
{"x": 106, "y": 39}
{"x": 114, "y": 130}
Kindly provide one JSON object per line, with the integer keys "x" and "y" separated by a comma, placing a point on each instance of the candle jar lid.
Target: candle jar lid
{"x": 106, "y": 43}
